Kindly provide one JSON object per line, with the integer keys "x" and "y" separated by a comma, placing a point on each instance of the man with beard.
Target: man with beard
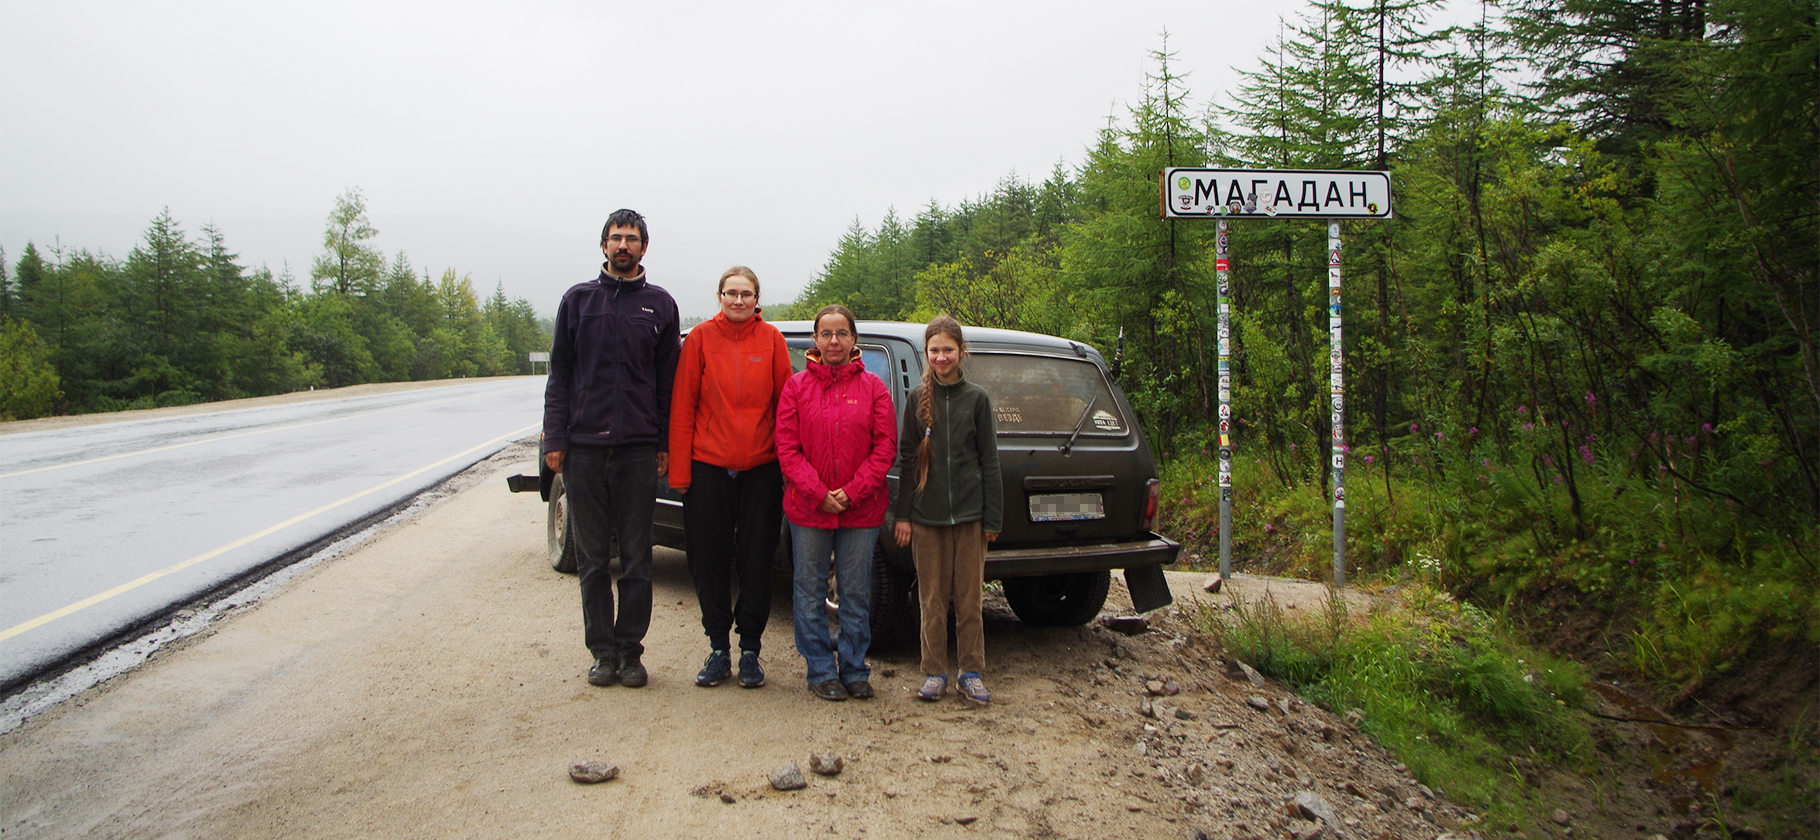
{"x": 605, "y": 428}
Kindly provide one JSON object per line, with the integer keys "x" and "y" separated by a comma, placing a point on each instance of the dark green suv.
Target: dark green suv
{"x": 1081, "y": 485}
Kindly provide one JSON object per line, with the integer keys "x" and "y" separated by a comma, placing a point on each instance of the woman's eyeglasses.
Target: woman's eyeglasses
{"x": 737, "y": 294}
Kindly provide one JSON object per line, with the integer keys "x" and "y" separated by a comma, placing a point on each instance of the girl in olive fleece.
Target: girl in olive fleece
{"x": 954, "y": 506}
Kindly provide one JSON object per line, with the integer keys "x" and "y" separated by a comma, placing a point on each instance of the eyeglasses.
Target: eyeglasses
{"x": 619, "y": 238}
{"x": 826, "y": 335}
{"x": 738, "y": 294}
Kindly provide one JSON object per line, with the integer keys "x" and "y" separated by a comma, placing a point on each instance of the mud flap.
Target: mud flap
{"x": 1149, "y": 588}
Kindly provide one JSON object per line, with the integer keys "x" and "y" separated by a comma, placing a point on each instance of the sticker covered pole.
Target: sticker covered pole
{"x": 1222, "y": 270}
{"x": 1338, "y": 390}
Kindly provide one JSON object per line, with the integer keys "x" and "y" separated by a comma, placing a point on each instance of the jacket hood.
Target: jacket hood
{"x": 832, "y": 373}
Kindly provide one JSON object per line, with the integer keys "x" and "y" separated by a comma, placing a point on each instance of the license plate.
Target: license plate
{"x": 1064, "y": 507}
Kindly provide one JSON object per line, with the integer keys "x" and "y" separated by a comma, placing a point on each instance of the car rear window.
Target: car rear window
{"x": 877, "y": 362}
{"x": 1046, "y": 394}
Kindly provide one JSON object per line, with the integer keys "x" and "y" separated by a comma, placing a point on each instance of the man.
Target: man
{"x": 606, "y": 417}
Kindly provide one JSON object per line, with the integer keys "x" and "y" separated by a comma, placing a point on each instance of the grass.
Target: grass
{"x": 1488, "y": 563}
{"x": 1692, "y": 590}
{"x": 1436, "y": 681}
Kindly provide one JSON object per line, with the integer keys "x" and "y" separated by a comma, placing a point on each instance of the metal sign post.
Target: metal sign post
{"x": 1284, "y": 194}
{"x": 1222, "y": 271}
{"x": 1337, "y": 390}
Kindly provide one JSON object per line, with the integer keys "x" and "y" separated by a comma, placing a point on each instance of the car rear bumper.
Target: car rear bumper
{"x": 1067, "y": 559}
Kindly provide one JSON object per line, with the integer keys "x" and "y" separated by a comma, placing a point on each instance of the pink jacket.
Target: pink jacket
{"x": 836, "y": 428}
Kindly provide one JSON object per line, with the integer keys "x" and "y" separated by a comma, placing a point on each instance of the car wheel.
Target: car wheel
{"x": 894, "y": 604}
{"x": 1058, "y": 600}
{"x": 556, "y": 529}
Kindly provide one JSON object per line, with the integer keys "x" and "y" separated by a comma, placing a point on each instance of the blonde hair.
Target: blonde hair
{"x": 925, "y": 404}
{"x": 738, "y": 271}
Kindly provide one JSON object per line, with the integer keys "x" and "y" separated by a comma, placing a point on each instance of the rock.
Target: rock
{"x": 1184, "y": 714}
{"x": 1195, "y": 774}
{"x": 1560, "y": 817}
{"x": 789, "y": 778}
{"x": 826, "y": 764}
{"x": 1170, "y": 689}
{"x": 593, "y": 772}
{"x": 1354, "y": 789}
{"x": 727, "y": 798}
{"x": 968, "y": 819}
{"x": 1283, "y": 704}
{"x": 1146, "y": 709}
{"x": 1416, "y": 803}
{"x": 1130, "y": 625}
{"x": 1355, "y": 717}
{"x": 1155, "y": 687}
{"x": 1240, "y": 669}
{"x": 1258, "y": 703}
{"x": 1310, "y": 806}
{"x": 887, "y": 673}
{"x": 1213, "y": 584}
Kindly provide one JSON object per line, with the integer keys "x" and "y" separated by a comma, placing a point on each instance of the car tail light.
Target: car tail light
{"x": 1153, "y": 493}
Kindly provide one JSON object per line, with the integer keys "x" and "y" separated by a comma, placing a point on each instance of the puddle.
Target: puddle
{"x": 1677, "y": 755}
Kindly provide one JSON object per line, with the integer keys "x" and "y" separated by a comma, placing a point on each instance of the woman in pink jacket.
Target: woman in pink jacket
{"x": 836, "y": 438}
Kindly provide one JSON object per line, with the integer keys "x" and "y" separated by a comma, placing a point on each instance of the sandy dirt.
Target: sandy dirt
{"x": 432, "y": 684}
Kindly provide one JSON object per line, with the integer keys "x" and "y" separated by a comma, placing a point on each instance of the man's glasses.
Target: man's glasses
{"x": 826, "y": 335}
{"x": 620, "y": 238}
{"x": 737, "y": 294}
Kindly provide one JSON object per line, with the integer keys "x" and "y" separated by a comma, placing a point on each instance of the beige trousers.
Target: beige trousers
{"x": 951, "y": 566}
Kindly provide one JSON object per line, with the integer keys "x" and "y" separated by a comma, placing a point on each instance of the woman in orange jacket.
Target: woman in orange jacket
{"x": 723, "y": 452}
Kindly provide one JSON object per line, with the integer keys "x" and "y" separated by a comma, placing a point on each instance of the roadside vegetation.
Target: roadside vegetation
{"x": 181, "y": 321}
{"x": 1582, "y": 386}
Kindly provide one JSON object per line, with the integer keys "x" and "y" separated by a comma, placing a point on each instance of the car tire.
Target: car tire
{"x": 557, "y": 522}
{"x": 895, "y": 609}
{"x": 1069, "y": 600}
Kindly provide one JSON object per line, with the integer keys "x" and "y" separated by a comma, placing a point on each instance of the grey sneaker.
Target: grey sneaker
{"x": 751, "y": 674}
{"x": 605, "y": 671}
{"x": 715, "y": 670}
{"x": 975, "y": 689}
{"x": 632, "y": 673}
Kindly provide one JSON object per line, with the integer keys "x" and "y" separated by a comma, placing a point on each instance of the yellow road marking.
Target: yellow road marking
{"x": 215, "y": 552}
{"x": 237, "y": 435}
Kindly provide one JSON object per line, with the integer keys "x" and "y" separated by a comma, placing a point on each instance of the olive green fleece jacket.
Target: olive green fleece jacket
{"x": 965, "y": 483}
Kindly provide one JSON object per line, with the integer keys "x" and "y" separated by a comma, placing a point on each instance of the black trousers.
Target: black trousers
{"x": 613, "y": 492}
{"x": 731, "y": 524}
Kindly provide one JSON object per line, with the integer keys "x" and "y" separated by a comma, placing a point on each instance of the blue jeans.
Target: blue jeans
{"x": 850, "y": 550}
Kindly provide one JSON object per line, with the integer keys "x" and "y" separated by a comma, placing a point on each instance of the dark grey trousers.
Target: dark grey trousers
{"x": 613, "y": 491}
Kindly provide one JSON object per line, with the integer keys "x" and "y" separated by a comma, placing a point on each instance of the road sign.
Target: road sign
{"x": 1280, "y": 193}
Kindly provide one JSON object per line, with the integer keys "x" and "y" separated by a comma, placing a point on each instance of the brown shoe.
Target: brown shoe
{"x": 859, "y": 690}
{"x": 829, "y": 690}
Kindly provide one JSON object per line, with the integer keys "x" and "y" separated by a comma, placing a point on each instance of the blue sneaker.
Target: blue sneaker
{"x": 714, "y": 671}
{"x": 750, "y": 674}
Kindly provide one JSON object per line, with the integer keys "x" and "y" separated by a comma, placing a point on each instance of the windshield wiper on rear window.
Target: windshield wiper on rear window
{"x": 1078, "y": 424}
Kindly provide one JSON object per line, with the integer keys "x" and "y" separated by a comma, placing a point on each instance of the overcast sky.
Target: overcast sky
{"x": 495, "y": 138}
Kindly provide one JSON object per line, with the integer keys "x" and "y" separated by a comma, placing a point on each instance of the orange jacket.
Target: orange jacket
{"x": 723, "y": 408}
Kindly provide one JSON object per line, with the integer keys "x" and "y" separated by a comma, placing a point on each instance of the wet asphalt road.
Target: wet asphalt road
{"x": 103, "y": 526}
